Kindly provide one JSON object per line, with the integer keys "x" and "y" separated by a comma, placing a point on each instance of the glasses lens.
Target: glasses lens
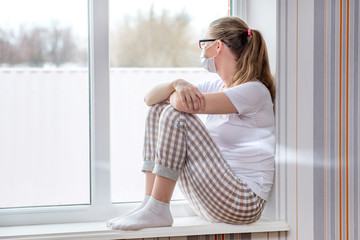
{"x": 204, "y": 43}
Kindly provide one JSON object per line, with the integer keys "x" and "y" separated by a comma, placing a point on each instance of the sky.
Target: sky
{"x": 73, "y": 13}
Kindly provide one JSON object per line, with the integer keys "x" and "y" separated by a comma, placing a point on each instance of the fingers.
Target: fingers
{"x": 189, "y": 102}
{"x": 183, "y": 100}
{"x": 201, "y": 99}
{"x": 193, "y": 103}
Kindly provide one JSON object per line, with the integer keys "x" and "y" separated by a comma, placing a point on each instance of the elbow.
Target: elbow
{"x": 148, "y": 101}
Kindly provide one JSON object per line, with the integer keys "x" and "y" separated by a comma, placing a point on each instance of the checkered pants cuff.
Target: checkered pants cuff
{"x": 166, "y": 172}
{"x": 148, "y": 166}
{"x": 158, "y": 169}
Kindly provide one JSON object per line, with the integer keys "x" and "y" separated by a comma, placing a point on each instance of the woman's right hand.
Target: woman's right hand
{"x": 191, "y": 98}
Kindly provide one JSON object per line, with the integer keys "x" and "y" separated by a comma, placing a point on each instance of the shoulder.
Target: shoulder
{"x": 253, "y": 90}
{"x": 252, "y": 85}
{"x": 249, "y": 96}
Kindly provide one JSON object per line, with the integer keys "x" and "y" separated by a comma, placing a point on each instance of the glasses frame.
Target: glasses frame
{"x": 210, "y": 40}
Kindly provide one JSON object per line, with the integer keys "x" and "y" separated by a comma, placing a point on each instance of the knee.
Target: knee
{"x": 170, "y": 115}
{"x": 169, "y": 112}
{"x": 156, "y": 109}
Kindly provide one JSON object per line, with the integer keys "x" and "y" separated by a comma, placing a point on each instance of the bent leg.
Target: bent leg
{"x": 151, "y": 135}
{"x": 207, "y": 181}
{"x": 164, "y": 156}
{"x": 185, "y": 149}
{"x": 170, "y": 155}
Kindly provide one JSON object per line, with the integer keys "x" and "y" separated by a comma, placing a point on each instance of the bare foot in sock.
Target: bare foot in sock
{"x": 154, "y": 214}
{"x": 110, "y": 222}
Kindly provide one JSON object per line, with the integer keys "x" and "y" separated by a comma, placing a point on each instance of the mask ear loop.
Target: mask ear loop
{"x": 210, "y": 46}
{"x": 204, "y": 49}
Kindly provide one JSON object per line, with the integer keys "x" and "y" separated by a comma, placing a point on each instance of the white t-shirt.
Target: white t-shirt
{"x": 247, "y": 139}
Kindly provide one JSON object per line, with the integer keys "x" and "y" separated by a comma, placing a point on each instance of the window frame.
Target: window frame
{"x": 100, "y": 208}
{"x": 100, "y": 204}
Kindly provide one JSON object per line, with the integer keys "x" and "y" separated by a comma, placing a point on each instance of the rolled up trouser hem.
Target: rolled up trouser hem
{"x": 148, "y": 166}
{"x": 166, "y": 172}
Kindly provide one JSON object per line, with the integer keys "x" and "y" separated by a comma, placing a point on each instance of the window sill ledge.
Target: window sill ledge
{"x": 184, "y": 226}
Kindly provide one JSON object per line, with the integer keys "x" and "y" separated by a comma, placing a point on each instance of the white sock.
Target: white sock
{"x": 110, "y": 222}
{"x": 154, "y": 214}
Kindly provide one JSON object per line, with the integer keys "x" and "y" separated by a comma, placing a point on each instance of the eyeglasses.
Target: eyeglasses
{"x": 202, "y": 42}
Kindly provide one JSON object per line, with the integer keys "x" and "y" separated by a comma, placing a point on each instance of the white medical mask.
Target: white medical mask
{"x": 208, "y": 63}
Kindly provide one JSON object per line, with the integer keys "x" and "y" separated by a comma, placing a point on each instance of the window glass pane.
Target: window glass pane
{"x": 150, "y": 42}
{"x": 44, "y": 103}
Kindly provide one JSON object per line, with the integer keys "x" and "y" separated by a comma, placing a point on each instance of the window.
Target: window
{"x": 44, "y": 101}
{"x": 60, "y": 87}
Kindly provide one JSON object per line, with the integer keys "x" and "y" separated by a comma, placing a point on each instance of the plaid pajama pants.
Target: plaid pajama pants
{"x": 179, "y": 147}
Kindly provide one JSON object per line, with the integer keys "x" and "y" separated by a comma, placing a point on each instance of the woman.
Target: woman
{"x": 224, "y": 168}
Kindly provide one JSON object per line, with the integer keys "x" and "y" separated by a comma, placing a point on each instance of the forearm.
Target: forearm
{"x": 159, "y": 93}
{"x": 215, "y": 103}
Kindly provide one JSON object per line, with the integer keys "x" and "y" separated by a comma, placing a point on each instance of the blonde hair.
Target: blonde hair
{"x": 250, "y": 51}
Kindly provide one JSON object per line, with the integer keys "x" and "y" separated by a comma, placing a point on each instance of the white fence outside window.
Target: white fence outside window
{"x": 45, "y": 133}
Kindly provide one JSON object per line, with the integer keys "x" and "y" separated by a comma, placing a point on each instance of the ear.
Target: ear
{"x": 219, "y": 45}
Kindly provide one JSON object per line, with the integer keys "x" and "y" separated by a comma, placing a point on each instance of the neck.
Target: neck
{"x": 227, "y": 79}
{"x": 226, "y": 67}
{"x": 226, "y": 74}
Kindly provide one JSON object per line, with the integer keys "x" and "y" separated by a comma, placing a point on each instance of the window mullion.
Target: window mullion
{"x": 99, "y": 92}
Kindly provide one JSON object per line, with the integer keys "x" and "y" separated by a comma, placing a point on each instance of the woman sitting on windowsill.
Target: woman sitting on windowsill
{"x": 225, "y": 168}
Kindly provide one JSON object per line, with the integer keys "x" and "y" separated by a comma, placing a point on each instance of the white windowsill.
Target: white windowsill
{"x": 184, "y": 226}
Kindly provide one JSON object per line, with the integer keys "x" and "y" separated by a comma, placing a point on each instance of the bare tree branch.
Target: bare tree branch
{"x": 154, "y": 41}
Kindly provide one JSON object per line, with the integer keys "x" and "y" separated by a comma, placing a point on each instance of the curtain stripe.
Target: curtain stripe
{"x": 347, "y": 120}
{"x": 340, "y": 124}
{"x": 356, "y": 118}
{"x": 325, "y": 119}
{"x": 297, "y": 110}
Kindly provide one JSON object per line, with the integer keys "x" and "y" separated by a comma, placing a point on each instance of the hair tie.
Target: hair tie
{"x": 249, "y": 32}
